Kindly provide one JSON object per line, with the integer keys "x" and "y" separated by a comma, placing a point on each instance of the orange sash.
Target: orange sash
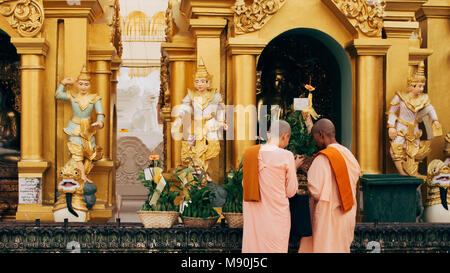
{"x": 339, "y": 168}
{"x": 250, "y": 182}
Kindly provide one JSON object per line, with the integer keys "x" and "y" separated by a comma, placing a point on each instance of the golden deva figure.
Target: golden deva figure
{"x": 406, "y": 111}
{"x": 80, "y": 128}
{"x": 202, "y": 115}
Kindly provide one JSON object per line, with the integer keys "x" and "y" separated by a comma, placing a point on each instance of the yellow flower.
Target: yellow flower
{"x": 157, "y": 174}
{"x": 123, "y": 131}
{"x": 153, "y": 157}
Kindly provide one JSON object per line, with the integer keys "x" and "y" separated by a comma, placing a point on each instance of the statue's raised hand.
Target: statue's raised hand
{"x": 68, "y": 81}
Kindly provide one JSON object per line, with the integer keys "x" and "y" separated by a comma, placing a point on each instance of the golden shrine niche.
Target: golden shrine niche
{"x": 376, "y": 45}
{"x": 54, "y": 39}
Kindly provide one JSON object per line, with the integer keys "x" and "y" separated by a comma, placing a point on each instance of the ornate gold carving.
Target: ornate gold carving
{"x": 171, "y": 27}
{"x": 254, "y": 17}
{"x": 116, "y": 31}
{"x": 26, "y": 16}
{"x": 164, "y": 97}
{"x": 367, "y": 17}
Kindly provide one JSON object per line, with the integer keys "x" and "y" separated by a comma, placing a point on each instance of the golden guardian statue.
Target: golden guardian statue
{"x": 81, "y": 129}
{"x": 407, "y": 110}
{"x": 202, "y": 116}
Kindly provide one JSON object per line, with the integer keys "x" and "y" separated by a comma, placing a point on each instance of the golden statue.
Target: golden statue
{"x": 406, "y": 111}
{"x": 202, "y": 115}
{"x": 80, "y": 128}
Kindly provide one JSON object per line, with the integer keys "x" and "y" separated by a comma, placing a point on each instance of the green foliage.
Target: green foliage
{"x": 301, "y": 142}
{"x": 198, "y": 197}
{"x": 166, "y": 198}
{"x": 234, "y": 189}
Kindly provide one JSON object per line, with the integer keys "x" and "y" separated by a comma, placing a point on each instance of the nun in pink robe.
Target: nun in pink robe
{"x": 267, "y": 223}
{"x": 332, "y": 229}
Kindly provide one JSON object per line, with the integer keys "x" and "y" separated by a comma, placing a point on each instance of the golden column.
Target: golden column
{"x": 32, "y": 165}
{"x": 100, "y": 59}
{"x": 243, "y": 89}
{"x": 370, "y": 83}
{"x": 182, "y": 61}
{"x": 434, "y": 20}
{"x": 207, "y": 30}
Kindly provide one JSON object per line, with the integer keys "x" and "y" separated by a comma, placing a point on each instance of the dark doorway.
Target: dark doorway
{"x": 299, "y": 57}
{"x": 10, "y": 108}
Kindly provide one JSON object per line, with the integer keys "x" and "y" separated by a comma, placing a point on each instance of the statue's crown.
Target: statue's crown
{"x": 202, "y": 72}
{"x": 419, "y": 75}
{"x": 84, "y": 74}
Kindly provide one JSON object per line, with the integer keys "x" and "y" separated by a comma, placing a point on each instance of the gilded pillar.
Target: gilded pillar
{"x": 178, "y": 84}
{"x": 181, "y": 63}
{"x": 207, "y": 31}
{"x": 434, "y": 21}
{"x": 243, "y": 88}
{"x": 32, "y": 164}
{"x": 403, "y": 57}
{"x": 370, "y": 85}
{"x": 100, "y": 59}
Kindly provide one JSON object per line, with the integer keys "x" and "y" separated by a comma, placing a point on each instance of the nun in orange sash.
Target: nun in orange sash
{"x": 332, "y": 180}
{"x": 270, "y": 178}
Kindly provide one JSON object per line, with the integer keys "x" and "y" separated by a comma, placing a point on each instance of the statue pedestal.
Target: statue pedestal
{"x": 389, "y": 197}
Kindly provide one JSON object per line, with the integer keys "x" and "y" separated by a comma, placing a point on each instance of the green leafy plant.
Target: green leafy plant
{"x": 234, "y": 189}
{"x": 301, "y": 142}
{"x": 197, "y": 195}
{"x": 166, "y": 198}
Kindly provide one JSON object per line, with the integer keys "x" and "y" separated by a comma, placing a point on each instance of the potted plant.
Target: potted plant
{"x": 232, "y": 209}
{"x": 197, "y": 210}
{"x": 301, "y": 143}
{"x": 159, "y": 210}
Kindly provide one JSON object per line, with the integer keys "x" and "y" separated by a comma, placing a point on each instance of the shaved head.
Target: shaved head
{"x": 325, "y": 126}
{"x": 279, "y": 128}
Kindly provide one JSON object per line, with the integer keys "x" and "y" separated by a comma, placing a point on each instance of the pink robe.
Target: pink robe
{"x": 332, "y": 229}
{"x": 267, "y": 223}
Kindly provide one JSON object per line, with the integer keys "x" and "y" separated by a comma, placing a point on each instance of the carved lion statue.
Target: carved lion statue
{"x": 438, "y": 196}
{"x": 75, "y": 196}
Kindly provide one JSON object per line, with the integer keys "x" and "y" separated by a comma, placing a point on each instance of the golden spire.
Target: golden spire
{"x": 84, "y": 75}
{"x": 202, "y": 72}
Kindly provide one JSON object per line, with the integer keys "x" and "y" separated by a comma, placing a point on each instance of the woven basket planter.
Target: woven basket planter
{"x": 234, "y": 220}
{"x": 158, "y": 219}
{"x": 195, "y": 222}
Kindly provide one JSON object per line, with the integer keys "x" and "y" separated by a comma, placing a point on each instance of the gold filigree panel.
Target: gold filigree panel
{"x": 116, "y": 32}
{"x": 366, "y": 15}
{"x": 25, "y": 16}
{"x": 164, "y": 96}
{"x": 249, "y": 18}
{"x": 171, "y": 28}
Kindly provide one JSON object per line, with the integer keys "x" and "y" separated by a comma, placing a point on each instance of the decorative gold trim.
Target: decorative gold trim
{"x": 25, "y": 16}
{"x": 368, "y": 18}
{"x": 171, "y": 27}
{"x": 254, "y": 17}
{"x": 164, "y": 97}
{"x": 116, "y": 31}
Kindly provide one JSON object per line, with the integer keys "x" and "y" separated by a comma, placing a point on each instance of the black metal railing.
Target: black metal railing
{"x": 133, "y": 237}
